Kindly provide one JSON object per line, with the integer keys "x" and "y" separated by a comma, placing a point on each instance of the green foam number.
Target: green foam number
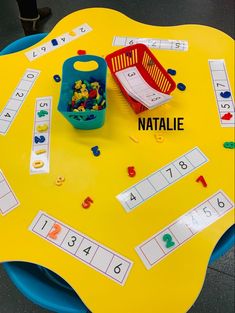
{"x": 169, "y": 241}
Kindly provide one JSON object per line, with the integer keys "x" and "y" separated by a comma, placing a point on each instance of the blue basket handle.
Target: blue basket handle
{"x": 102, "y": 65}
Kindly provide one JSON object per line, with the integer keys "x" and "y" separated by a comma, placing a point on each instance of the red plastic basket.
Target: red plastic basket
{"x": 149, "y": 67}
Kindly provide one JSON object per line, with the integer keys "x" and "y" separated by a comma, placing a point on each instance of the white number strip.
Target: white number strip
{"x": 8, "y": 200}
{"x": 17, "y": 99}
{"x": 161, "y": 179}
{"x": 220, "y": 81}
{"x": 83, "y": 248}
{"x": 61, "y": 41}
{"x": 162, "y": 44}
{"x": 40, "y": 154}
{"x": 184, "y": 228}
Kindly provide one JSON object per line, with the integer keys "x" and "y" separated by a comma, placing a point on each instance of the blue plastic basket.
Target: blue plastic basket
{"x": 88, "y": 119}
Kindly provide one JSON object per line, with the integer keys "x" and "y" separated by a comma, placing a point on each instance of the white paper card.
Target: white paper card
{"x": 161, "y": 244}
{"x": 81, "y": 247}
{"x": 161, "y": 179}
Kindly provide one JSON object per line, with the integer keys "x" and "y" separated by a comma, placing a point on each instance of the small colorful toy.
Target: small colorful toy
{"x": 229, "y": 145}
{"x": 87, "y": 96}
{"x": 202, "y": 180}
{"x": 225, "y": 94}
{"x": 95, "y": 150}
{"x": 87, "y": 203}
{"x": 181, "y": 86}
{"x": 171, "y": 71}
{"x": 131, "y": 171}
{"x": 57, "y": 78}
{"x": 227, "y": 116}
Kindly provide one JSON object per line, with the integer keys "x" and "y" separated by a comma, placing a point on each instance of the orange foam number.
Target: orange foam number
{"x": 53, "y": 234}
{"x": 87, "y": 202}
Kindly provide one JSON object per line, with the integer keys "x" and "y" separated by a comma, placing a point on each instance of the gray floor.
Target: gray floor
{"x": 217, "y": 295}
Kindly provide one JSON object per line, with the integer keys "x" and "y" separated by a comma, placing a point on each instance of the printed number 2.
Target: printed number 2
{"x": 53, "y": 234}
{"x": 169, "y": 241}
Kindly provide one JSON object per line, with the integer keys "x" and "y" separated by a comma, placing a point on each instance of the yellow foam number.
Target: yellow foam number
{"x": 42, "y": 128}
{"x": 38, "y": 164}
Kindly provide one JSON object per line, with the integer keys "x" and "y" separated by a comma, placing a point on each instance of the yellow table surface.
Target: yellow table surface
{"x": 174, "y": 283}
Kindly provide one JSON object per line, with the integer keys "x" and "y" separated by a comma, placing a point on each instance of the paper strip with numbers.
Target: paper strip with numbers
{"x": 58, "y": 42}
{"x": 160, "y": 245}
{"x": 139, "y": 89}
{"x": 161, "y": 44}
{"x": 161, "y": 179}
{"x": 40, "y": 154}
{"x": 17, "y": 99}
{"x": 221, "y": 86}
{"x": 81, "y": 247}
{"x": 8, "y": 199}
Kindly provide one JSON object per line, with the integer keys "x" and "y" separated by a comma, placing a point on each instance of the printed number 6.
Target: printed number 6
{"x": 117, "y": 269}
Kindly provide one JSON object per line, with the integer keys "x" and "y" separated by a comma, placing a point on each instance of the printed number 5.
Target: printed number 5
{"x": 169, "y": 241}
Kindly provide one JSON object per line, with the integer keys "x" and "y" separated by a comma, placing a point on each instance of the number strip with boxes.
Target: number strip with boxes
{"x": 17, "y": 99}
{"x": 184, "y": 228}
{"x": 162, "y": 44}
{"x": 40, "y": 154}
{"x": 83, "y": 248}
{"x": 161, "y": 179}
{"x": 223, "y": 93}
{"x": 8, "y": 199}
{"x": 57, "y": 42}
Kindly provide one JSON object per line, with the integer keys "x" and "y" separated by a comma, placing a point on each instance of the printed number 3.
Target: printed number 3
{"x": 169, "y": 241}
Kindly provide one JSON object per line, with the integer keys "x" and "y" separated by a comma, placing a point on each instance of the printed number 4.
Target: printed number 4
{"x": 7, "y": 115}
{"x": 87, "y": 250}
{"x": 132, "y": 197}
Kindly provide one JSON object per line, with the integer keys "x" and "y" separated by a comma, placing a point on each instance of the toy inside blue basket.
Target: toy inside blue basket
{"x": 83, "y": 111}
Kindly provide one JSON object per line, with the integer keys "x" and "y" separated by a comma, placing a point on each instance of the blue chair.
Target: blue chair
{"x": 42, "y": 290}
{"x": 46, "y": 288}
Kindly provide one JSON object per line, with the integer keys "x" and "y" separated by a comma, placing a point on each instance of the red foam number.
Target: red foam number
{"x": 201, "y": 179}
{"x": 87, "y": 202}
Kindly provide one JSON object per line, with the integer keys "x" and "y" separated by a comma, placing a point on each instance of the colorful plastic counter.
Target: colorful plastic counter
{"x": 142, "y": 244}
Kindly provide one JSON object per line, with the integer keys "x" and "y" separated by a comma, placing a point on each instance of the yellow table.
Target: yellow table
{"x": 173, "y": 284}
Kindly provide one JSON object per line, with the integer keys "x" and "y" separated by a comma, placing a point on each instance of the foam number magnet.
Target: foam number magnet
{"x": 55, "y": 231}
{"x": 131, "y": 171}
{"x": 87, "y": 203}
{"x": 42, "y": 113}
{"x": 40, "y": 139}
{"x": 169, "y": 241}
{"x": 42, "y": 128}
